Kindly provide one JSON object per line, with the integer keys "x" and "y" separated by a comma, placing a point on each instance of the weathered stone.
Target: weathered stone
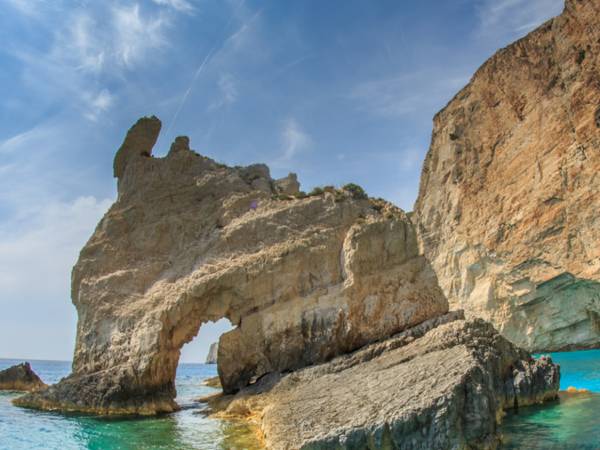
{"x": 442, "y": 386}
{"x": 20, "y": 378}
{"x": 190, "y": 241}
{"x": 211, "y": 358}
{"x": 288, "y": 185}
{"x": 508, "y": 206}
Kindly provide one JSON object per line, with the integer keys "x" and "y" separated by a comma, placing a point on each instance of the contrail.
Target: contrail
{"x": 207, "y": 58}
{"x": 189, "y": 89}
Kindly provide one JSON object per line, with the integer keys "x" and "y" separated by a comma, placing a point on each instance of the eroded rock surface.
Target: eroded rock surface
{"x": 441, "y": 385}
{"x": 190, "y": 240}
{"x": 508, "y": 208}
{"x": 20, "y": 378}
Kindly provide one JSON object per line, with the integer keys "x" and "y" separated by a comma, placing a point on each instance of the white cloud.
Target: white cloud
{"x": 294, "y": 140}
{"x": 179, "y": 5}
{"x": 505, "y": 19}
{"x": 99, "y": 103}
{"x": 27, "y": 7}
{"x": 228, "y": 91}
{"x": 45, "y": 246}
{"x": 134, "y": 34}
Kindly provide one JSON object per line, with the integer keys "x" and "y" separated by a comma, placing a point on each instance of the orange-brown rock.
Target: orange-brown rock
{"x": 508, "y": 211}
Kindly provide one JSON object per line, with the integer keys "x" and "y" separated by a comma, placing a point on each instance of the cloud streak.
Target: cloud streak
{"x": 505, "y": 19}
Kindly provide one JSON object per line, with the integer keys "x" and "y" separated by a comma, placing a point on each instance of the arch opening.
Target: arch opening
{"x": 194, "y": 375}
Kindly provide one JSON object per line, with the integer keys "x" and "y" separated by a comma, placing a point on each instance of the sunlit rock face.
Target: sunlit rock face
{"x": 190, "y": 240}
{"x": 440, "y": 385}
{"x": 508, "y": 211}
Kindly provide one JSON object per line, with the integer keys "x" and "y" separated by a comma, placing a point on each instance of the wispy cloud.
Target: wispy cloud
{"x": 179, "y": 5}
{"x": 508, "y": 18}
{"x": 405, "y": 94}
{"x": 294, "y": 140}
{"x": 89, "y": 48}
{"x": 228, "y": 91}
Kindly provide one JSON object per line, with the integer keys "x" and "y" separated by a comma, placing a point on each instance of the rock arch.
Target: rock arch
{"x": 190, "y": 240}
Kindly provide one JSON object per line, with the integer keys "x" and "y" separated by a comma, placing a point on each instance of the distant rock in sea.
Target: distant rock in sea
{"x": 20, "y": 378}
{"x": 508, "y": 211}
{"x": 213, "y": 351}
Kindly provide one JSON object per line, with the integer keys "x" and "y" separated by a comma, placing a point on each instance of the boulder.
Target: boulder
{"x": 441, "y": 385}
{"x": 20, "y": 378}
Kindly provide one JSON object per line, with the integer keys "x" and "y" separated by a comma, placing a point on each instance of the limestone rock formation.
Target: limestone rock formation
{"x": 508, "y": 211}
{"x": 211, "y": 358}
{"x": 20, "y": 378}
{"x": 441, "y": 385}
{"x": 190, "y": 240}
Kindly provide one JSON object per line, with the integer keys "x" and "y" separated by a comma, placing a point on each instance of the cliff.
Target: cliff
{"x": 211, "y": 358}
{"x": 508, "y": 206}
{"x": 189, "y": 240}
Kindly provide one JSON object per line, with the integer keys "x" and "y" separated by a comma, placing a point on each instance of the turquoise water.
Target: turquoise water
{"x": 573, "y": 422}
{"x": 22, "y": 429}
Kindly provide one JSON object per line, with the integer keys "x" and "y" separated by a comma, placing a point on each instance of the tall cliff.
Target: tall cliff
{"x": 303, "y": 278}
{"x": 508, "y": 210}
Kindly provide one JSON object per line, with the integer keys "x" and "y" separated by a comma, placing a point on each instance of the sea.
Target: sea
{"x": 572, "y": 422}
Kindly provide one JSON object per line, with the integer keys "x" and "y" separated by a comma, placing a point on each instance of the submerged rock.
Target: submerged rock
{"x": 438, "y": 386}
{"x": 211, "y": 358}
{"x": 190, "y": 240}
{"x": 20, "y": 378}
{"x": 508, "y": 207}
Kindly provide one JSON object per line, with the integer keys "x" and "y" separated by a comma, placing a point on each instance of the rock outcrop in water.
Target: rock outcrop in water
{"x": 441, "y": 385}
{"x": 211, "y": 358}
{"x": 190, "y": 240}
{"x": 508, "y": 208}
{"x": 20, "y": 378}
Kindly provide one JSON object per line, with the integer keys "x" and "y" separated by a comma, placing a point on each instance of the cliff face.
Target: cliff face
{"x": 508, "y": 207}
{"x": 190, "y": 241}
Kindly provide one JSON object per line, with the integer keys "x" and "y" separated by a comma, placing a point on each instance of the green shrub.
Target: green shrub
{"x": 316, "y": 191}
{"x": 300, "y": 194}
{"x": 356, "y": 191}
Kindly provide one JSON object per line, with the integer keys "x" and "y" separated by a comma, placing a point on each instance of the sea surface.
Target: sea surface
{"x": 23, "y": 429}
{"x": 573, "y": 422}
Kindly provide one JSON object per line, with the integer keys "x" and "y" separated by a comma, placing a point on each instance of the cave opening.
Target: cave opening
{"x": 195, "y": 378}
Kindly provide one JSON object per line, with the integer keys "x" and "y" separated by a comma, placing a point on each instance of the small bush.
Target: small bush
{"x": 356, "y": 191}
{"x": 316, "y": 191}
{"x": 300, "y": 195}
{"x": 330, "y": 189}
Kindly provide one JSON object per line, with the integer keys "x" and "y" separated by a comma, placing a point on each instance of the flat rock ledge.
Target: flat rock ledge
{"x": 20, "y": 377}
{"x": 436, "y": 386}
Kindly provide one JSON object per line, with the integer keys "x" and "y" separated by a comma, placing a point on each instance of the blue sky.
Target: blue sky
{"x": 337, "y": 91}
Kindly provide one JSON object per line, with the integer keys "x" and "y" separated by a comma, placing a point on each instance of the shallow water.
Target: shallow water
{"x": 22, "y": 429}
{"x": 571, "y": 423}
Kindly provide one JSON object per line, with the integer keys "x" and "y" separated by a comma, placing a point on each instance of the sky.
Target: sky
{"x": 337, "y": 91}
